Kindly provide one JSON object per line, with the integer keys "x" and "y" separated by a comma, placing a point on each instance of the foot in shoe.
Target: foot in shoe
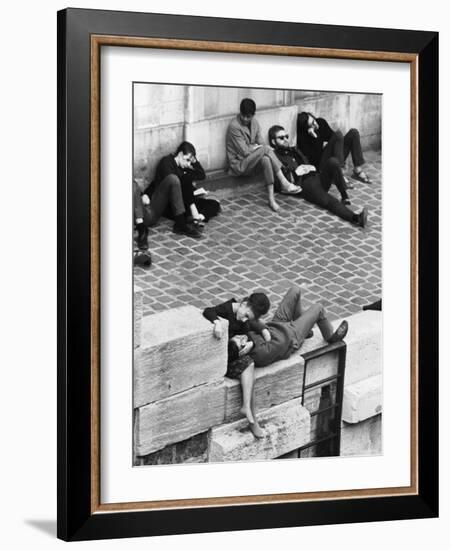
{"x": 310, "y": 334}
{"x": 290, "y": 189}
{"x": 187, "y": 230}
{"x": 256, "y": 429}
{"x": 274, "y": 205}
{"x": 361, "y": 176}
{"x": 362, "y": 217}
{"x": 339, "y": 334}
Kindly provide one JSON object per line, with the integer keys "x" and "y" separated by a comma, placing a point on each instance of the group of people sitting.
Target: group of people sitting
{"x": 307, "y": 170}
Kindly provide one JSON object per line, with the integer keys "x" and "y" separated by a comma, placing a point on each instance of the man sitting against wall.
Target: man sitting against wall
{"x": 247, "y": 154}
{"x": 165, "y": 191}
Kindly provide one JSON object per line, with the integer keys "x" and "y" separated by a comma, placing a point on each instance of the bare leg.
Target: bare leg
{"x": 271, "y": 199}
{"x": 247, "y": 383}
{"x": 256, "y": 428}
{"x": 269, "y": 179}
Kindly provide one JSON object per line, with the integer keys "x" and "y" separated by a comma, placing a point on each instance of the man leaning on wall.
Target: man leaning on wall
{"x": 248, "y": 155}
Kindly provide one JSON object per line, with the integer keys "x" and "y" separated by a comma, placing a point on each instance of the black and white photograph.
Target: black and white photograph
{"x": 257, "y": 273}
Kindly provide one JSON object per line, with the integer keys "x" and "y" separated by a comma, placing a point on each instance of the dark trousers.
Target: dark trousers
{"x": 313, "y": 191}
{"x": 167, "y": 194}
{"x": 290, "y": 311}
{"x": 341, "y": 146}
{"x": 330, "y": 173}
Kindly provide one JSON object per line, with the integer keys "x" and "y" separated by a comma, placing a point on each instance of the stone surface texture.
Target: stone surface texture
{"x": 179, "y": 417}
{"x": 363, "y": 399}
{"x": 286, "y": 428}
{"x": 178, "y": 351}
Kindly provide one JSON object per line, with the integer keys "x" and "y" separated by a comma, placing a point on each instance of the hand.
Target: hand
{"x": 310, "y": 167}
{"x": 217, "y": 330}
{"x": 266, "y": 335}
{"x": 246, "y": 349}
{"x": 145, "y": 200}
{"x": 302, "y": 169}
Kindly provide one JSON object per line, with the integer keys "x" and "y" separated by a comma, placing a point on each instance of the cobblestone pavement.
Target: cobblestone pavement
{"x": 248, "y": 247}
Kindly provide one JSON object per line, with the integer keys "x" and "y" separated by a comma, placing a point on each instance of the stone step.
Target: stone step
{"x": 224, "y": 186}
{"x": 177, "y": 351}
{"x": 286, "y": 427}
{"x": 179, "y": 417}
{"x": 363, "y": 399}
{"x": 363, "y": 438}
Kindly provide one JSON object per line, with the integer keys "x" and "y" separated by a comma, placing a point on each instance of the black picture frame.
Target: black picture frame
{"x": 77, "y": 517}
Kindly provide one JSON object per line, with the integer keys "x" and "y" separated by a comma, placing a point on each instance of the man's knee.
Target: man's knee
{"x": 353, "y": 133}
{"x": 170, "y": 180}
{"x": 333, "y": 163}
{"x": 338, "y": 134}
{"x": 295, "y": 291}
{"x": 319, "y": 310}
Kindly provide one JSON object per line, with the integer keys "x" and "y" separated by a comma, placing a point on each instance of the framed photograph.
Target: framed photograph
{"x": 247, "y": 254}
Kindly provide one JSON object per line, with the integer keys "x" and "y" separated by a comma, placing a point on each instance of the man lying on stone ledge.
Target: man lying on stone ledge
{"x": 288, "y": 329}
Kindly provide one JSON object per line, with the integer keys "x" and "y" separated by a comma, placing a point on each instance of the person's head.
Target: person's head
{"x": 236, "y": 344}
{"x": 185, "y": 155}
{"x": 247, "y": 110}
{"x": 278, "y": 137}
{"x": 305, "y": 121}
{"x": 240, "y": 341}
{"x": 252, "y": 307}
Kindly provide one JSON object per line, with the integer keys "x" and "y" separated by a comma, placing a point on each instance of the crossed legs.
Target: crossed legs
{"x": 290, "y": 310}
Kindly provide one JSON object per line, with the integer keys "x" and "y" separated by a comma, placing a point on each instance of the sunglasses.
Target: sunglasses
{"x": 286, "y": 136}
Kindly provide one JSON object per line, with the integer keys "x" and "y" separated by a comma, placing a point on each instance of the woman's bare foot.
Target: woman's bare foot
{"x": 274, "y": 205}
{"x": 256, "y": 429}
{"x": 247, "y": 413}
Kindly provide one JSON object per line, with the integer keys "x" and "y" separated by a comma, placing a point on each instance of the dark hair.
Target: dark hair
{"x": 258, "y": 303}
{"x": 273, "y": 131}
{"x": 233, "y": 350}
{"x": 247, "y": 107}
{"x": 186, "y": 148}
{"x": 302, "y": 122}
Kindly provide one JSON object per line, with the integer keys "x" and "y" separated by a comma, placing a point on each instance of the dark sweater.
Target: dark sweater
{"x": 225, "y": 311}
{"x": 167, "y": 166}
{"x": 309, "y": 145}
{"x": 280, "y": 346}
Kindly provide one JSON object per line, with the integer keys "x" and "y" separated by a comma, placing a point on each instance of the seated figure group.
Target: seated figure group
{"x": 306, "y": 170}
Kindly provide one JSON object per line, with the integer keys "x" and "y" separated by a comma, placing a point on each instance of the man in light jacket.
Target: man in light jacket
{"x": 247, "y": 153}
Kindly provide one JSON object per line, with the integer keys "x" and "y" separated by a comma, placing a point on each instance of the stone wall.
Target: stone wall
{"x": 185, "y": 410}
{"x": 166, "y": 115}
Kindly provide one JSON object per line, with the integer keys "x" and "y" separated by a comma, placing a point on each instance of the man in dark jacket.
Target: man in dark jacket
{"x": 324, "y": 146}
{"x": 314, "y": 186}
{"x": 166, "y": 191}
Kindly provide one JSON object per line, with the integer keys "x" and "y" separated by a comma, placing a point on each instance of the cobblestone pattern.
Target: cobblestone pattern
{"x": 248, "y": 247}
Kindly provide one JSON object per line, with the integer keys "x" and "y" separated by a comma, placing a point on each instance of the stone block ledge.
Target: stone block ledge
{"x": 363, "y": 399}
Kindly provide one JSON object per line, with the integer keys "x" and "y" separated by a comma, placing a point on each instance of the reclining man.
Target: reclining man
{"x": 314, "y": 186}
{"x": 288, "y": 329}
{"x": 166, "y": 191}
{"x": 247, "y": 154}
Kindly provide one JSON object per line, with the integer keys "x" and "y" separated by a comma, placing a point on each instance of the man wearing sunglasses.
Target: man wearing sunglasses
{"x": 315, "y": 186}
